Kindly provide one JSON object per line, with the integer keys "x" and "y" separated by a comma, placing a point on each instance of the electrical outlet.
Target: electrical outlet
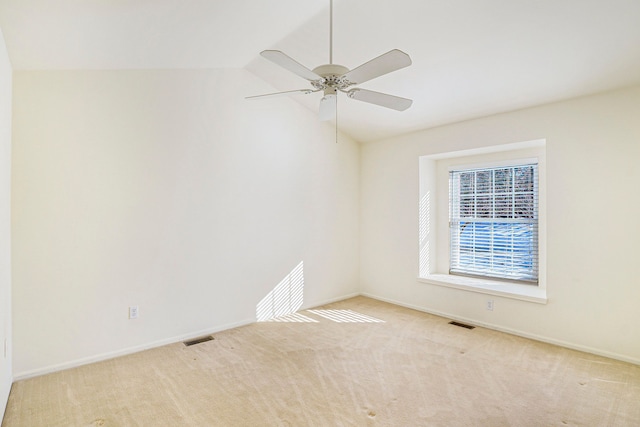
{"x": 133, "y": 312}
{"x": 490, "y": 304}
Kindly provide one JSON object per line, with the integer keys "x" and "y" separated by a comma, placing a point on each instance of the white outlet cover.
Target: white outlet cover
{"x": 133, "y": 312}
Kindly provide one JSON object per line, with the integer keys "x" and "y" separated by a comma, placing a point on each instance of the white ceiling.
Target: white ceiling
{"x": 471, "y": 58}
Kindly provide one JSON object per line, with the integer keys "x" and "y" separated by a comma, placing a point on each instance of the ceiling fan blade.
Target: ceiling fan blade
{"x": 290, "y": 64}
{"x": 328, "y": 105}
{"x": 276, "y": 94}
{"x": 382, "y": 99}
{"x": 391, "y": 61}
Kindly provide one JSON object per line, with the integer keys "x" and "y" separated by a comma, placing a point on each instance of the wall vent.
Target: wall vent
{"x": 462, "y": 325}
{"x": 198, "y": 341}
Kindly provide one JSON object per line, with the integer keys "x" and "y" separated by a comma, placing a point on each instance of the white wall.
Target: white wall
{"x": 592, "y": 176}
{"x": 5, "y": 225}
{"x": 167, "y": 190}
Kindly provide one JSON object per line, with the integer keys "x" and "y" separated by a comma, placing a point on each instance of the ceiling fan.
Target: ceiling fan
{"x": 333, "y": 78}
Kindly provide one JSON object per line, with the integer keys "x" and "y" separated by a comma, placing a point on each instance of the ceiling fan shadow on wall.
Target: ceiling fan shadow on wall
{"x": 333, "y": 78}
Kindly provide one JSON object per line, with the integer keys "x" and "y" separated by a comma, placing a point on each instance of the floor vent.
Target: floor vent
{"x": 198, "y": 341}
{"x": 462, "y": 325}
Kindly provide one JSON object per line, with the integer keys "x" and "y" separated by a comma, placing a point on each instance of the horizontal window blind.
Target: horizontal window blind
{"x": 493, "y": 221}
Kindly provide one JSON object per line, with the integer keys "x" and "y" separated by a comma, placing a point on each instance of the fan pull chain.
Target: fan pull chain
{"x": 336, "y": 118}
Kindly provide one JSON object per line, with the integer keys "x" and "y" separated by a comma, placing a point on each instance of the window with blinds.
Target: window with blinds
{"x": 493, "y": 221}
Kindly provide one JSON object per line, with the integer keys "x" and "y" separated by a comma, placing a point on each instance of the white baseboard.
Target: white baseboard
{"x": 329, "y": 301}
{"x": 519, "y": 333}
{"x": 4, "y": 399}
{"x": 130, "y": 350}
{"x": 126, "y": 351}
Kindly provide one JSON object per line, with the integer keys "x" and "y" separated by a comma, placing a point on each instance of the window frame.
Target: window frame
{"x": 530, "y": 277}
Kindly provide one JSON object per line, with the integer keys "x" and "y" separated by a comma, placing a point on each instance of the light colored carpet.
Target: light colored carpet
{"x": 359, "y": 362}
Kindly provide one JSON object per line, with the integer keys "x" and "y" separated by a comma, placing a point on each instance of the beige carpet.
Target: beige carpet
{"x": 359, "y": 362}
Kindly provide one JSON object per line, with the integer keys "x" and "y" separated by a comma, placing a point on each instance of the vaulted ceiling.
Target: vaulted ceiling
{"x": 471, "y": 58}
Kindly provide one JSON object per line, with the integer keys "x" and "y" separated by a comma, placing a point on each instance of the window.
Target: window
{"x": 493, "y": 222}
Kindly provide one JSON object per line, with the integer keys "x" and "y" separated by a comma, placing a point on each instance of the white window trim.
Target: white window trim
{"x": 500, "y": 288}
{"x": 486, "y": 157}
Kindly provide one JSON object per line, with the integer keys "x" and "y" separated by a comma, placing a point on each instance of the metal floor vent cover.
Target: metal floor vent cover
{"x": 462, "y": 325}
{"x": 198, "y": 341}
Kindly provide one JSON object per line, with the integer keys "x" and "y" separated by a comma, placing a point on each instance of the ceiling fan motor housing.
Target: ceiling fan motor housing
{"x": 332, "y": 77}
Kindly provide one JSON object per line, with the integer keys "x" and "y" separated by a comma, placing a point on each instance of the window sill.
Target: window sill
{"x": 512, "y": 290}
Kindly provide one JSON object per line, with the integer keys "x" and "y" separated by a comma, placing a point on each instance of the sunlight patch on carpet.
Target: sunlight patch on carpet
{"x": 293, "y": 317}
{"x": 345, "y": 316}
